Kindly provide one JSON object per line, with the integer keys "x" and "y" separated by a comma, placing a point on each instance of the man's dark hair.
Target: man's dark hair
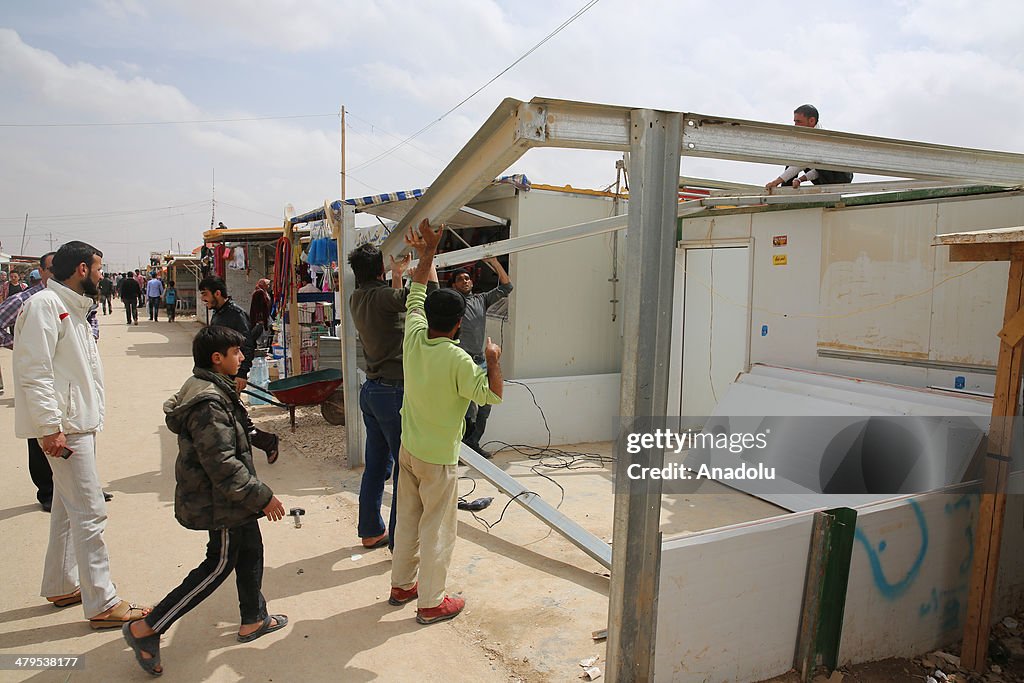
{"x": 171, "y": 283}
{"x": 444, "y": 309}
{"x": 459, "y": 271}
{"x": 213, "y": 284}
{"x": 367, "y": 263}
{"x": 213, "y": 339}
{"x": 70, "y": 255}
{"x": 136, "y": 271}
{"x": 42, "y": 259}
{"x": 808, "y": 110}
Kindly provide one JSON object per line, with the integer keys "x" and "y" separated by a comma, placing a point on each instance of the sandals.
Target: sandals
{"x": 265, "y": 628}
{"x": 124, "y": 612}
{"x": 67, "y": 600}
{"x": 150, "y": 645}
{"x": 375, "y": 542}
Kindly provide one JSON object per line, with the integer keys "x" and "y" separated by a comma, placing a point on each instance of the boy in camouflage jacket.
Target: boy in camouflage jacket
{"x": 217, "y": 491}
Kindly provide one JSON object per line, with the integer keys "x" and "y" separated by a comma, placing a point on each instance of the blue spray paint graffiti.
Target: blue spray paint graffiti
{"x": 893, "y": 590}
{"x": 944, "y": 602}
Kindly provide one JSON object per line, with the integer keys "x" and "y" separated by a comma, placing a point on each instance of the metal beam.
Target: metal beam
{"x": 847, "y": 189}
{"x": 538, "y": 507}
{"x": 741, "y": 140}
{"x": 647, "y": 311}
{"x": 349, "y": 372}
{"x": 497, "y": 220}
{"x": 602, "y": 226}
{"x": 511, "y": 129}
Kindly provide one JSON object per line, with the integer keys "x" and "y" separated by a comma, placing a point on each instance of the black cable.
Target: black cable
{"x": 546, "y": 457}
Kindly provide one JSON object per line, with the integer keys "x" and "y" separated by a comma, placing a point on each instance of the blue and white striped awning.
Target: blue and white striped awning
{"x": 395, "y": 205}
{"x": 374, "y": 199}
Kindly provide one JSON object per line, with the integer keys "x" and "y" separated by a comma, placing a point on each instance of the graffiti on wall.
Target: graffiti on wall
{"x": 944, "y": 602}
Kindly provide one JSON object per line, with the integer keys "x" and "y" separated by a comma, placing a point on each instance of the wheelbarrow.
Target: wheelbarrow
{"x": 308, "y": 389}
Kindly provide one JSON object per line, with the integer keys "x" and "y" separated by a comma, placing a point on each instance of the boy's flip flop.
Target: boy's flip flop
{"x": 265, "y": 627}
{"x": 150, "y": 645}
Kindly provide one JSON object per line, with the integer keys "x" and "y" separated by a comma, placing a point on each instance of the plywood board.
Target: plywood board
{"x": 990, "y": 236}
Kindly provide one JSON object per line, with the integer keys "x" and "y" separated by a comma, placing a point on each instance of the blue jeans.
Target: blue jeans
{"x": 476, "y": 420}
{"x": 380, "y": 405}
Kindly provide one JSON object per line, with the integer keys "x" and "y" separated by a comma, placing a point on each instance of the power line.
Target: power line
{"x": 104, "y": 214}
{"x": 563, "y": 25}
{"x": 394, "y": 135}
{"x": 160, "y": 123}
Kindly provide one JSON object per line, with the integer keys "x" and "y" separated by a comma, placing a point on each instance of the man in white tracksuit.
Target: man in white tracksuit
{"x": 58, "y": 400}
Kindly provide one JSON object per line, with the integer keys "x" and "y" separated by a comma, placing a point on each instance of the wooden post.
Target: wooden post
{"x": 989, "y": 533}
{"x": 294, "y": 334}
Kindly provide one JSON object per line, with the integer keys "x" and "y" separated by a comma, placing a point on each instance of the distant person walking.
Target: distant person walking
{"x": 154, "y": 291}
{"x": 142, "y": 287}
{"x": 59, "y": 401}
{"x": 106, "y": 292}
{"x": 171, "y": 300}
{"x": 130, "y": 293}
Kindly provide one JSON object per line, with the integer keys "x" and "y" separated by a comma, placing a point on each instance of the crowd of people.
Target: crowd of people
{"x": 416, "y": 405}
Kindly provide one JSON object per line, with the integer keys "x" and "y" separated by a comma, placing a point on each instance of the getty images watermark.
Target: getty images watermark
{"x": 668, "y": 441}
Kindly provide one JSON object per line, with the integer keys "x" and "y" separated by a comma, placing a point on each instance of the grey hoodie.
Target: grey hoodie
{"x": 216, "y": 480}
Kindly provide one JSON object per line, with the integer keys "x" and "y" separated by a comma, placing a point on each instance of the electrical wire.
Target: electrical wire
{"x": 580, "y": 12}
{"x": 546, "y": 457}
{"x": 104, "y": 214}
{"x": 161, "y": 123}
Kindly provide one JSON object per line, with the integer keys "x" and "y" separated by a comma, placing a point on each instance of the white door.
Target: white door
{"x": 713, "y": 324}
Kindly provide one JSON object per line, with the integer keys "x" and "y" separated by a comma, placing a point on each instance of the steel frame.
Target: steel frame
{"x": 656, "y": 140}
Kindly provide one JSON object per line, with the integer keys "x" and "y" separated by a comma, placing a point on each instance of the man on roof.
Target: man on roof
{"x": 806, "y": 116}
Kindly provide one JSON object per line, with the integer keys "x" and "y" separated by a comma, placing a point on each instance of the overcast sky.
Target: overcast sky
{"x": 944, "y": 71}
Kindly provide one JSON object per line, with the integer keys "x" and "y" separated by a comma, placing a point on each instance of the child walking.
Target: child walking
{"x": 217, "y": 491}
{"x": 171, "y": 299}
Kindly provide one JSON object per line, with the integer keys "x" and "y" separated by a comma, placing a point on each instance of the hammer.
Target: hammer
{"x": 296, "y": 514}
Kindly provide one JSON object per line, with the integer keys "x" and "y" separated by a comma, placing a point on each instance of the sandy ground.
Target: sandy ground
{"x": 533, "y": 599}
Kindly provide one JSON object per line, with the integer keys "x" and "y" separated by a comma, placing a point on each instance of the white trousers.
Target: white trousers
{"x": 76, "y": 555}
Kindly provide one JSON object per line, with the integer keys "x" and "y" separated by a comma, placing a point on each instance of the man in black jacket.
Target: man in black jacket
{"x": 130, "y": 293}
{"x": 227, "y": 313}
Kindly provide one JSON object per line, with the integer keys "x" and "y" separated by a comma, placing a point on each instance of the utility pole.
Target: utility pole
{"x": 213, "y": 199}
{"x": 51, "y": 241}
{"x": 24, "y": 230}
{"x": 343, "y": 153}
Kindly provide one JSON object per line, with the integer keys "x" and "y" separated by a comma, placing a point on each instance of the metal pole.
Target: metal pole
{"x": 23, "y": 231}
{"x": 347, "y": 284}
{"x": 647, "y": 313}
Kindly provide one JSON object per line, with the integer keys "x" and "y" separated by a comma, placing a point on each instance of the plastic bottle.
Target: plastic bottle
{"x": 258, "y": 375}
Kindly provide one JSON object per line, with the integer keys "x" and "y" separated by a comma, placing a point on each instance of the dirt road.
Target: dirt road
{"x": 341, "y": 629}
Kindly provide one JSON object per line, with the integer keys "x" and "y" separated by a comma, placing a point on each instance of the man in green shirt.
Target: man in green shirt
{"x": 440, "y": 381}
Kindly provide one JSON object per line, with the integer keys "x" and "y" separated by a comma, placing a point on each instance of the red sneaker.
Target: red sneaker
{"x": 448, "y": 609}
{"x": 400, "y": 596}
